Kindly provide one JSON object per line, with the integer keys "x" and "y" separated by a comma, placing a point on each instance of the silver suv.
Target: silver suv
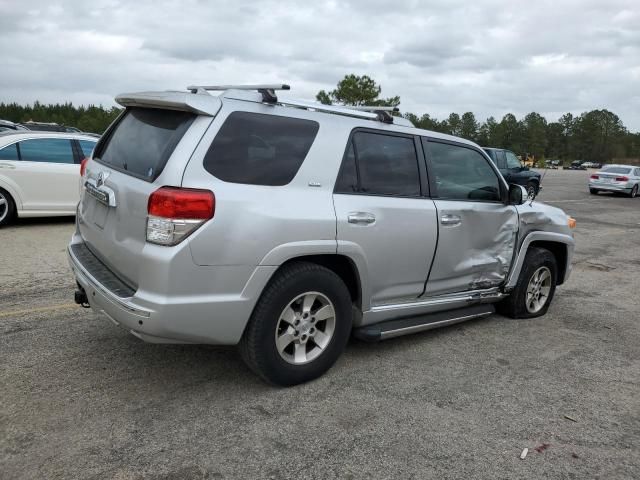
{"x": 287, "y": 226}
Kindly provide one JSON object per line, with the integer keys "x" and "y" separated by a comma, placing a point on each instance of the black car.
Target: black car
{"x": 576, "y": 165}
{"x": 513, "y": 171}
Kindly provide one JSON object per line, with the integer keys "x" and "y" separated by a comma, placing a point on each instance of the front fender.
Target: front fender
{"x": 538, "y": 236}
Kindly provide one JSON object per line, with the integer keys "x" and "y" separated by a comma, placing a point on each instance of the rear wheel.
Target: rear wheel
{"x": 535, "y": 288}
{"x": 593, "y": 191}
{"x": 7, "y": 208}
{"x": 634, "y": 191}
{"x": 300, "y": 325}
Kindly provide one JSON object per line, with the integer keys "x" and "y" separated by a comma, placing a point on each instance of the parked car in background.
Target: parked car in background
{"x": 587, "y": 164}
{"x": 283, "y": 226}
{"x": 513, "y": 171}
{"x": 39, "y": 173}
{"x": 575, "y": 165}
{"x": 7, "y": 126}
{"x": 616, "y": 178}
{"x": 552, "y": 164}
{"x": 53, "y": 127}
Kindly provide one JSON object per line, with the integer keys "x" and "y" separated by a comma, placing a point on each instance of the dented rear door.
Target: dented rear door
{"x": 476, "y": 230}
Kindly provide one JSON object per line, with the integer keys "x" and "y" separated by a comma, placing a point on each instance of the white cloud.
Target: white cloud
{"x": 490, "y": 57}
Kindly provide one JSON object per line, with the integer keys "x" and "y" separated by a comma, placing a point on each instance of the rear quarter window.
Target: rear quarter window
{"x": 143, "y": 140}
{"x": 259, "y": 149}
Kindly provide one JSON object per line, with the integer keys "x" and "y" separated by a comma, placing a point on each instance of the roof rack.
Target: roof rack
{"x": 268, "y": 91}
{"x": 370, "y": 112}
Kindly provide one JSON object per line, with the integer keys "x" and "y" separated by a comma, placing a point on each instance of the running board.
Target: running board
{"x": 406, "y": 326}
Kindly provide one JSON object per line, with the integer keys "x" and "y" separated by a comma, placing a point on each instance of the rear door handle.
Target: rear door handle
{"x": 361, "y": 218}
{"x": 448, "y": 219}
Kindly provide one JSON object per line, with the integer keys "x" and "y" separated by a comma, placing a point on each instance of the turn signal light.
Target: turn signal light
{"x": 571, "y": 222}
{"x": 175, "y": 213}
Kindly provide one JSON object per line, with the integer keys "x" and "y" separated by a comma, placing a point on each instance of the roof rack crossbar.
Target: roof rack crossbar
{"x": 268, "y": 91}
{"x": 385, "y": 114}
{"x": 335, "y": 109}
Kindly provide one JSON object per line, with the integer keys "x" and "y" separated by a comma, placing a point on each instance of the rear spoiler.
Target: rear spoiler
{"x": 201, "y": 104}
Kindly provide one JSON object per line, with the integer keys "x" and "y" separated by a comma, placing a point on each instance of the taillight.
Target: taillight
{"x": 622, "y": 179}
{"x": 175, "y": 213}
{"x": 83, "y": 166}
{"x": 594, "y": 177}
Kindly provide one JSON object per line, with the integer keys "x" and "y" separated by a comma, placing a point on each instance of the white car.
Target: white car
{"x": 40, "y": 173}
{"x": 616, "y": 178}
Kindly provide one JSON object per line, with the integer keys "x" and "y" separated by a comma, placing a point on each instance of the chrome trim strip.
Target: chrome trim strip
{"x": 79, "y": 269}
{"x": 429, "y": 326}
{"x": 479, "y": 295}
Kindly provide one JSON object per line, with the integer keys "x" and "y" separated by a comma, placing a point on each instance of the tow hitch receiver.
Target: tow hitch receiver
{"x": 80, "y": 297}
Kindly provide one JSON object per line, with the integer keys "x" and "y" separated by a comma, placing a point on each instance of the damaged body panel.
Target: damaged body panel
{"x": 475, "y": 249}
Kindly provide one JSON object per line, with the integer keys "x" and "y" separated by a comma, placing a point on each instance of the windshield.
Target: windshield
{"x": 617, "y": 170}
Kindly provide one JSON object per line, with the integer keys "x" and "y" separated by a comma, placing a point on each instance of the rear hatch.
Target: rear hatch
{"x": 146, "y": 148}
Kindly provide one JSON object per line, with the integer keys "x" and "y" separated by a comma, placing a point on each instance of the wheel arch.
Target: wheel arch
{"x": 560, "y": 245}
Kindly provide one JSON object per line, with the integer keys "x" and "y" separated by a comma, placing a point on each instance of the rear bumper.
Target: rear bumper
{"x": 201, "y": 317}
{"x": 610, "y": 187}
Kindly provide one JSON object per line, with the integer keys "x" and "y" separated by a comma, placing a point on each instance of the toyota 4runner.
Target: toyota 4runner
{"x": 286, "y": 226}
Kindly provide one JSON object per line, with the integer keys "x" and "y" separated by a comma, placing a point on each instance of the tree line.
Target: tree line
{"x": 91, "y": 118}
{"x": 596, "y": 136}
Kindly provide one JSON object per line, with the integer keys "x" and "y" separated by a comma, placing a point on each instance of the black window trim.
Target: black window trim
{"x": 504, "y": 188}
{"x": 422, "y": 171}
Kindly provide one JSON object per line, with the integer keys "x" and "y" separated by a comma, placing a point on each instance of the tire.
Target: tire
{"x": 7, "y": 208}
{"x": 290, "y": 288}
{"x": 532, "y": 189}
{"x": 593, "y": 191}
{"x": 634, "y": 191}
{"x": 536, "y": 260}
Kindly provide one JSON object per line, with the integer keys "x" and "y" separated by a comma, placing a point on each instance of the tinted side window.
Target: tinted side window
{"x": 48, "y": 150}
{"x": 462, "y": 173}
{"x": 502, "y": 160}
{"x": 86, "y": 146}
{"x": 259, "y": 149}
{"x": 9, "y": 153}
{"x": 386, "y": 165}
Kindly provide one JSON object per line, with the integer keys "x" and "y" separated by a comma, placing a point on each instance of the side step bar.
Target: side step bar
{"x": 406, "y": 326}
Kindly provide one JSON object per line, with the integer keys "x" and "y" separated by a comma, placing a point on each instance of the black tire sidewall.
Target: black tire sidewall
{"x": 634, "y": 191}
{"x": 11, "y": 208}
{"x": 270, "y": 365}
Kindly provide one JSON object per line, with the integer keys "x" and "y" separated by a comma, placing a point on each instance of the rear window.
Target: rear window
{"x": 143, "y": 140}
{"x": 617, "y": 170}
{"x": 259, "y": 149}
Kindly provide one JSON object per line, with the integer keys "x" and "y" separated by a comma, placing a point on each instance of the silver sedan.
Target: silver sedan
{"x": 616, "y": 178}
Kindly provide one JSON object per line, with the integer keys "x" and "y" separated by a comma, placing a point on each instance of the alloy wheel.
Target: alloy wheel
{"x": 538, "y": 290}
{"x": 305, "y": 328}
{"x": 4, "y": 207}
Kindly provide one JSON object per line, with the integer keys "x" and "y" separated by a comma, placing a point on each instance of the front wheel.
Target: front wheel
{"x": 634, "y": 191}
{"x": 535, "y": 288}
{"x": 532, "y": 189}
{"x": 300, "y": 325}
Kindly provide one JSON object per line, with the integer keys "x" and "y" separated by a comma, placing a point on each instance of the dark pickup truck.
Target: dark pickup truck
{"x": 513, "y": 171}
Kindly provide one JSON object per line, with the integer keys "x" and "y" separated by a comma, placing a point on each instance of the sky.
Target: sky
{"x": 489, "y": 57}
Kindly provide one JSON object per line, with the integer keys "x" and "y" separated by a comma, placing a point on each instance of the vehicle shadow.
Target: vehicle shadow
{"x": 41, "y": 221}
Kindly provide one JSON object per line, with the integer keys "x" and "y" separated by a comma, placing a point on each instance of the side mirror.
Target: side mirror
{"x": 517, "y": 194}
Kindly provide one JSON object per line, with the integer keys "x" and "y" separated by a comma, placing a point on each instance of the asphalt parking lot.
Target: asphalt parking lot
{"x": 81, "y": 398}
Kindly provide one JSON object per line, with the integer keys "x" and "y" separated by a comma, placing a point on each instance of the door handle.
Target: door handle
{"x": 361, "y": 218}
{"x": 448, "y": 219}
{"x": 7, "y": 166}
